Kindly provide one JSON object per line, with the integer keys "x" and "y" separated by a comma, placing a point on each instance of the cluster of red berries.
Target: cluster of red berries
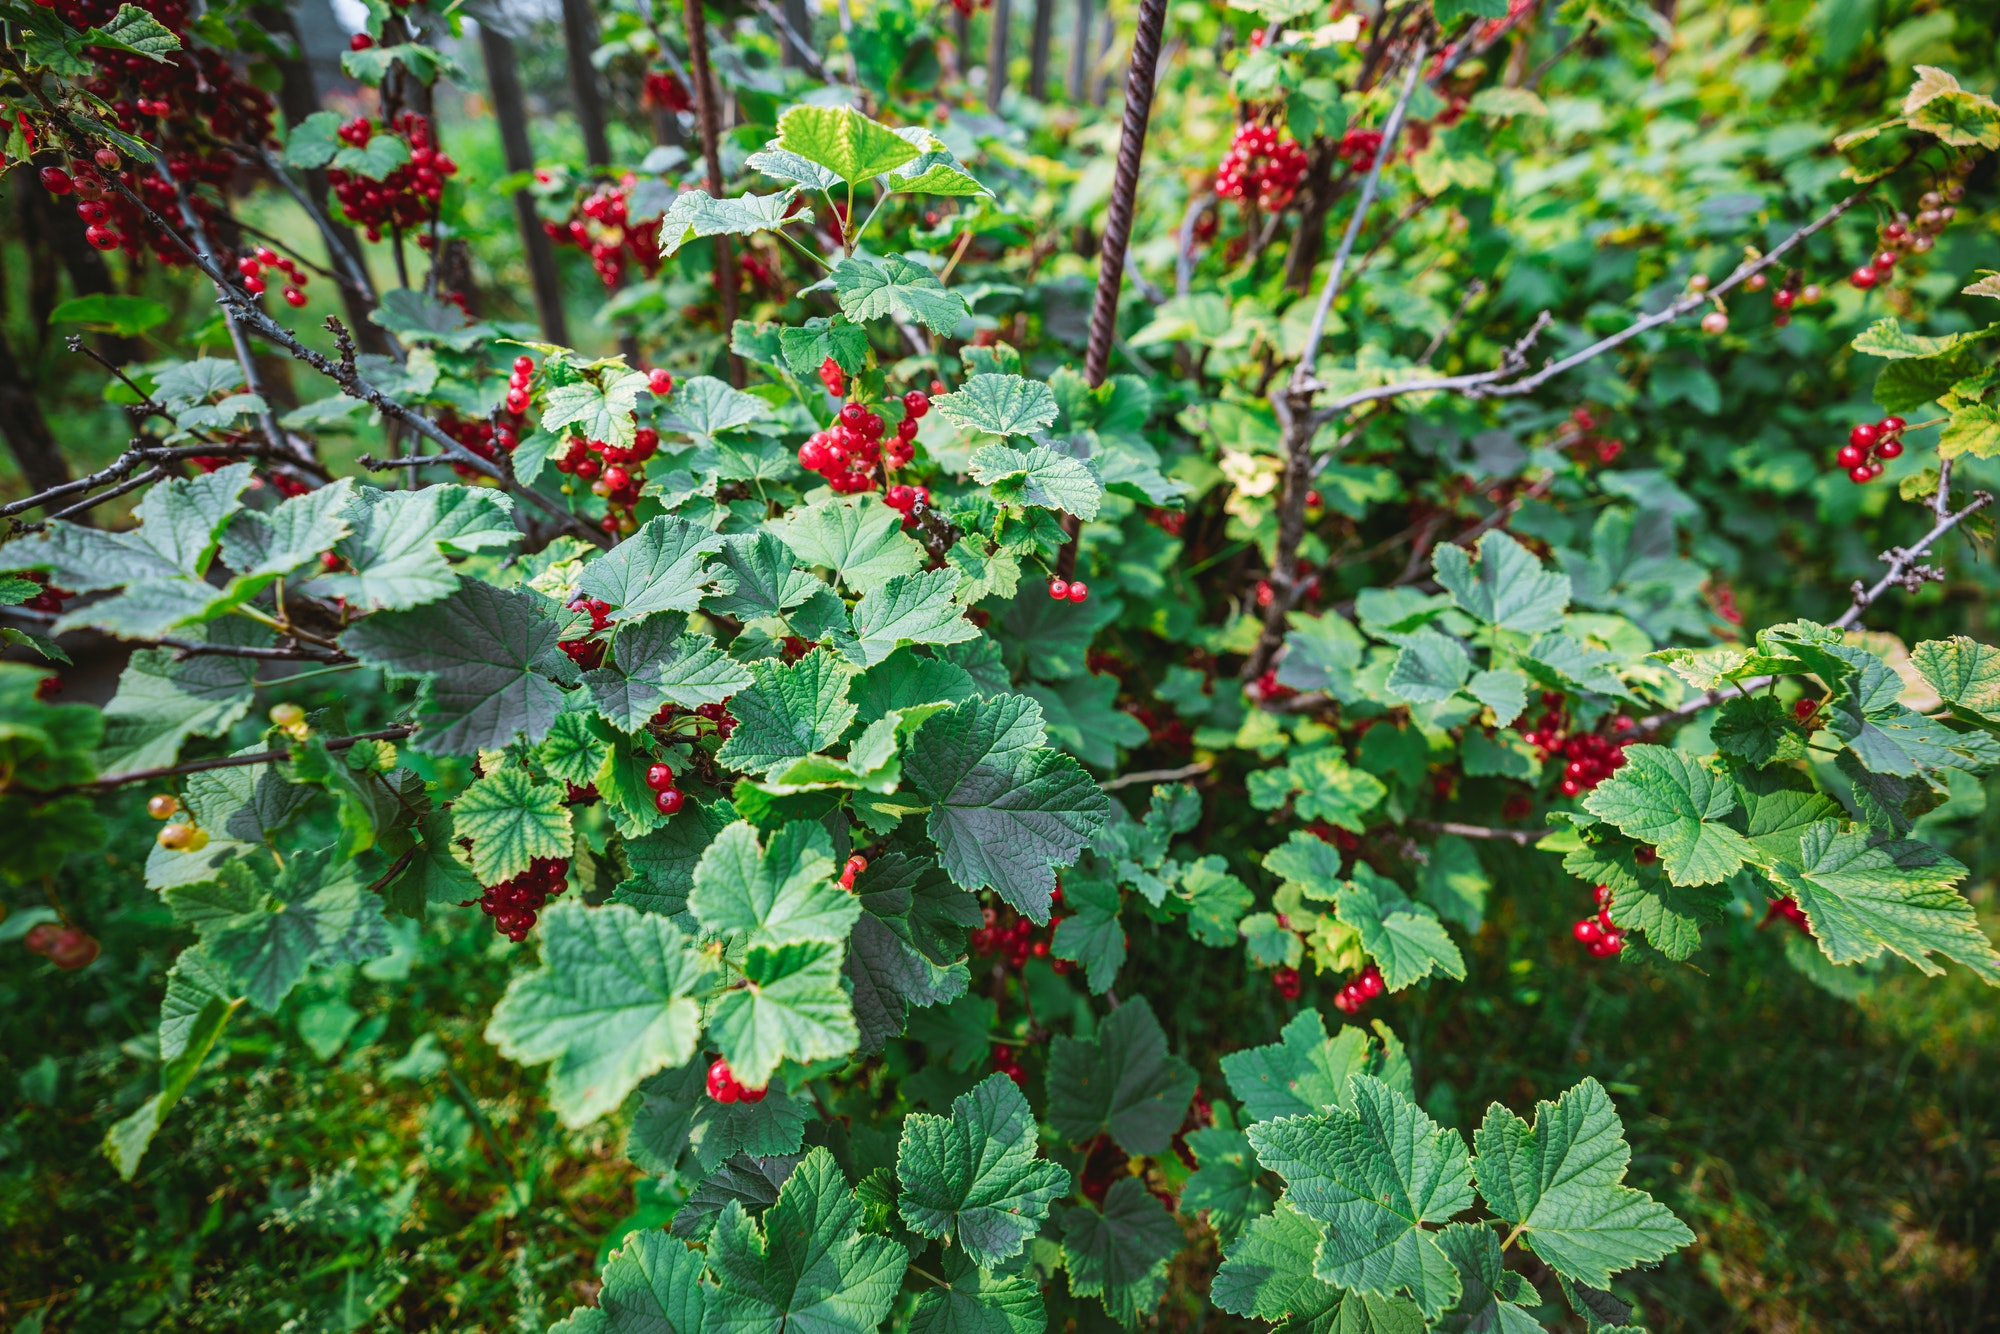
{"x": 665, "y": 91}
{"x": 408, "y": 196}
{"x": 1005, "y": 1063}
{"x": 667, "y": 797}
{"x": 1591, "y": 757}
{"x": 1882, "y": 440}
{"x": 1012, "y": 939}
{"x": 1359, "y": 147}
{"x": 50, "y": 599}
{"x": 1584, "y": 439}
{"x": 1286, "y": 979}
{"x": 485, "y": 438}
{"x": 1260, "y": 169}
{"x": 252, "y": 266}
{"x": 851, "y": 454}
{"x": 1786, "y": 909}
{"x": 1360, "y": 991}
{"x": 587, "y": 652}
{"x": 514, "y": 904}
{"x": 67, "y": 947}
{"x": 1596, "y": 933}
{"x": 723, "y": 1085}
{"x": 907, "y": 500}
{"x": 1068, "y": 590}
{"x": 966, "y": 7}
{"x": 609, "y": 234}
{"x": 1905, "y": 235}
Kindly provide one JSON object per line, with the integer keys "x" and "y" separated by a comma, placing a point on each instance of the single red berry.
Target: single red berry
{"x": 1059, "y": 588}
{"x": 1889, "y": 448}
{"x": 1602, "y": 893}
{"x": 659, "y": 777}
{"x": 661, "y": 383}
{"x": 852, "y": 415}
{"x": 41, "y": 937}
{"x": 73, "y": 948}
{"x": 1860, "y": 473}
{"x": 1645, "y": 855}
{"x": 1885, "y": 260}
{"x": 524, "y": 365}
{"x": 1783, "y": 298}
{"x": 1805, "y": 709}
{"x": 56, "y": 181}
{"x": 1850, "y": 456}
{"x": 1078, "y": 591}
{"x": 294, "y": 297}
{"x": 669, "y": 800}
{"x": 254, "y": 286}
{"x": 1370, "y": 982}
{"x": 1863, "y": 277}
{"x": 1890, "y": 425}
{"x": 1586, "y": 930}
{"x": 360, "y": 41}
{"x": 107, "y": 158}
{"x": 722, "y": 1085}
{"x": 750, "y": 1095}
{"x": 1864, "y": 435}
{"x": 937, "y": 387}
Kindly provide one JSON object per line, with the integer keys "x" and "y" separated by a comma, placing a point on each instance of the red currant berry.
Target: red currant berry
{"x": 1889, "y": 448}
{"x": 107, "y": 158}
{"x": 661, "y": 383}
{"x": 1851, "y": 456}
{"x": 659, "y": 777}
{"x": 254, "y": 286}
{"x": 1863, "y": 277}
{"x": 1783, "y": 298}
{"x": 1864, "y": 435}
{"x": 852, "y": 415}
{"x": 722, "y": 1085}
{"x": 669, "y": 801}
{"x": 1890, "y": 425}
{"x": 1586, "y": 930}
{"x": 1078, "y": 591}
{"x": 1058, "y": 588}
{"x": 294, "y": 297}
{"x": 1860, "y": 473}
{"x": 1715, "y": 322}
{"x": 1885, "y": 260}
{"x": 360, "y": 41}
{"x": 56, "y": 181}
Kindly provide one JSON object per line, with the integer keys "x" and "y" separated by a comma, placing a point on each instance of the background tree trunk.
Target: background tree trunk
{"x": 503, "y": 80}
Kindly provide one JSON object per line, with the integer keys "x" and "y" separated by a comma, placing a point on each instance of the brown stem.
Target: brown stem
{"x": 395, "y": 733}
{"x": 708, "y": 113}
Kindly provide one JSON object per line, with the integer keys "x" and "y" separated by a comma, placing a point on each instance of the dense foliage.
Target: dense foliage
{"x": 840, "y": 799}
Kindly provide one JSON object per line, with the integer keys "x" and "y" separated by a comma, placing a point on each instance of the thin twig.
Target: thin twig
{"x": 395, "y": 733}
{"x": 1524, "y": 837}
{"x": 145, "y": 478}
{"x": 1196, "y": 769}
{"x": 1184, "y": 253}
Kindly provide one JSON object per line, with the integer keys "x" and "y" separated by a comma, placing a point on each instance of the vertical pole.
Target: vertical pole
{"x": 996, "y": 56}
{"x": 1038, "y": 50}
{"x": 580, "y": 37}
{"x": 503, "y": 80}
{"x": 799, "y": 19}
{"x": 711, "y": 132}
{"x": 1079, "y": 54}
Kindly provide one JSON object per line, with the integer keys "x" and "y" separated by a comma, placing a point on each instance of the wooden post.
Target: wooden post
{"x": 996, "y": 56}
{"x": 706, "y": 108}
{"x": 1038, "y": 50}
{"x": 503, "y": 80}
{"x": 1079, "y": 54}
{"x": 580, "y": 37}
{"x": 799, "y": 19}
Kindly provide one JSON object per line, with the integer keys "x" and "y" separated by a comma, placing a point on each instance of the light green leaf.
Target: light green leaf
{"x": 1509, "y": 589}
{"x": 845, "y": 142}
{"x": 1405, "y": 938}
{"x": 1269, "y": 1274}
{"x": 1039, "y": 476}
{"x": 861, "y": 541}
{"x": 896, "y": 288}
{"x": 910, "y": 609}
{"x": 511, "y": 820}
{"x": 694, "y": 214}
{"x": 659, "y": 568}
{"x": 1676, "y": 802}
{"x": 792, "y": 1006}
{"x": 396, "y": 550}
{"x": 788, "y": 712}
{"x": 612, "y": 1003}
{"x": 781, "y": 895}
{"x": 972, "y": 1179}
{"x": 1862, "y": 897}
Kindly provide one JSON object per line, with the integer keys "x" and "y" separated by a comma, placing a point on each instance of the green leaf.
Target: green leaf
{"x": 377, "y": 159}
{"x": 511, "y": 820}
{"x": 1090, "y": 932}
{"x": 1450, "y": 11}
{"x": 312, "y": 142}
{"x": 196, "y": 1008}
{"x": 1405, "y": 938}
{"x": 487, "y": 654}
{"x": 1269, "y": 1274}
{"x": 845, "y": 142}
{"x": 1000, "y": 405}
{"x": 1322, "y": 786}
{"x": 705, "y": 407}
{"x": 1215, "y": 900}
{"x": 1886, "y": 338}
{"x": 1964, "y": 672}
{"x": 1225, "y": 1185}
{"x": 1374, "y": 1176}
{"x": 372, "y": 65}
{"x": 398, "y": 542}
{"x": 659, "y": 568}
{"x": 612, "y": 1002}
{"x": 596, "y": 411}
{"x": 888, "y": 973}
{"x": 1431, "y": 667}
{"x": 978, "y": 1301}
{"x": 910, "y": 609}
{"x": 973, "y": 1179}
{"x": 860, "y": 541}
{"x": 1083, "y": 716}
{"x": 1453, "y": 882}
{"x": 663, "y": 861}
{"x": 133, "y": 29}
{"x": 320, "y": 912}
{"x": 1559, "y": 1183}
{"x": 809, "y": 347}
{"x": 1120, "y": 1255}
{"x": 766, "y": 583}
{"x": 1005, "y": 810}
{"x": 419, "y": 317}
{"x": 788, "y": 166}
{"x": 781, "y": 895}
{"x": 896, "y": 288}
{"x": 1039, "y": 476}
{"x": 1863, "y": 896}
{"x": 105, "y": 312}
{"x": 1124, "y": 1081}
{"x": 652, "y": 1285}
{"x": 1504, "y": 692}
{"x": 791, "y": 1007}
{"x": 788, "y": 712}
{"x": 809, "y": 1267}
{"x": 695, "y": 214}
{"x": 1510, "y": 588}
{"x": 163, "y": 700}
{"x": 1492, "y": 1296}
{"x": 1306, "y": 1072}
{"x": 1676, "y": 802}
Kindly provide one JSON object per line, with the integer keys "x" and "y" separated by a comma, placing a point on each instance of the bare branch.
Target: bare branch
{"x": 1524, "y": 837}
{"x": 1157, "y": 776}
{"x": 395, "y": 733}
